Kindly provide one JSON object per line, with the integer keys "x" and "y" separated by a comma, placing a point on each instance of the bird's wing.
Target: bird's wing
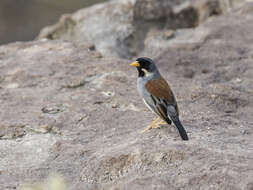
{"x": 161, "y": 95}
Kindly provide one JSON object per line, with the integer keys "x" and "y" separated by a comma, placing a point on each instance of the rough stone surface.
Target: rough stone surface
{"x": 65, "y": 108}
{"x": 119, "y": 27}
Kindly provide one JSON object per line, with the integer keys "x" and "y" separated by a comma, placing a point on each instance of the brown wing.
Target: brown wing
{"x": 160, "y": 89}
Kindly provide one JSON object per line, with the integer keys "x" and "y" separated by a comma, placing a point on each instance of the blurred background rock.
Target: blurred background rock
{"x": 21, "y": 20}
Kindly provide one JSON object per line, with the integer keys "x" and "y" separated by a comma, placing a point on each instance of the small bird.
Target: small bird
{"x": 157, "y": 95}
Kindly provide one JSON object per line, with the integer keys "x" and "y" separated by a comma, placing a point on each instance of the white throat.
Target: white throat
{"x": 147, "y": 74}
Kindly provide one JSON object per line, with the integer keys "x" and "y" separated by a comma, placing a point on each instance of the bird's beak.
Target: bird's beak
{"x": 135, "y": 64}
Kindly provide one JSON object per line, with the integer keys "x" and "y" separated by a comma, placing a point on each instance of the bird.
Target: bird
{"x": 157, "y": 95}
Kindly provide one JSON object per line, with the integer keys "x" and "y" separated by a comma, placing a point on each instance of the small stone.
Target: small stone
{"x": 51, "y": 110}
{"x": 115, "y": 106}
{"x": 12, "y": 85}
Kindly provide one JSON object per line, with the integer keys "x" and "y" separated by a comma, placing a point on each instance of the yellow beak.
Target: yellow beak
{"x": 135, "y": 64}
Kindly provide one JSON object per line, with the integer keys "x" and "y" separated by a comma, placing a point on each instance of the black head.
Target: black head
{"x": 144, "y": 66}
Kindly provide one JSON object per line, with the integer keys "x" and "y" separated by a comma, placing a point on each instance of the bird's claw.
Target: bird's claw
{"x": 154, "y": 125}
{"x": 147, "y": 129}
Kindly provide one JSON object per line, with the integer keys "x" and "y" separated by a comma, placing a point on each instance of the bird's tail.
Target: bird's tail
{"x": 174, "y": 117}
{"x": 180, "y": 129}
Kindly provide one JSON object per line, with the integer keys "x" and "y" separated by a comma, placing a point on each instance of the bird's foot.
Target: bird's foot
{"x": 160, "y": 124}
{"x": 147, "y": 129}
{"x": 152, "y": 125}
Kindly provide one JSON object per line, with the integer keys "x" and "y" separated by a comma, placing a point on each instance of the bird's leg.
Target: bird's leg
{"x": 158, "y": 125}
{"x": 151, "y": 125}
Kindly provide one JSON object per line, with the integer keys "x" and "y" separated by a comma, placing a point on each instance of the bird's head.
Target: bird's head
{"x": 145, "y": 66}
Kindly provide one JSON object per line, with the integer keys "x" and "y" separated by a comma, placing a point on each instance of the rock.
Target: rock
{"x": 85, "y": 26}
{"x": 77, "y": 113}
{"x": 156, "y": 40}
{"x": 119, "y": 28}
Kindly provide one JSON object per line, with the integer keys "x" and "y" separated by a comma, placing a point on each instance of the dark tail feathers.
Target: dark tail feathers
{"x": 180, "y": 128}
{"x": 173, "y": 115}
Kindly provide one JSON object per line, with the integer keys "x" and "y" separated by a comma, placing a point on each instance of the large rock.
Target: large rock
{"x": 65, "y": 108}
{"x": 159, "y": 39}
{"x": 119, "y": 28}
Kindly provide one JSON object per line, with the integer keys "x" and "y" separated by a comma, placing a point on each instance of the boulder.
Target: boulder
{"x": 119, "y": 28}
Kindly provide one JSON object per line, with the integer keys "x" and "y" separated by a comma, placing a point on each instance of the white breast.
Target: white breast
{"x": 147, "y": 105}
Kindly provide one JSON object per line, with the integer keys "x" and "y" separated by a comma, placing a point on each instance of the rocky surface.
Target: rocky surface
{"x": 119, "y": 27}
{"x": 66, "y": 108}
